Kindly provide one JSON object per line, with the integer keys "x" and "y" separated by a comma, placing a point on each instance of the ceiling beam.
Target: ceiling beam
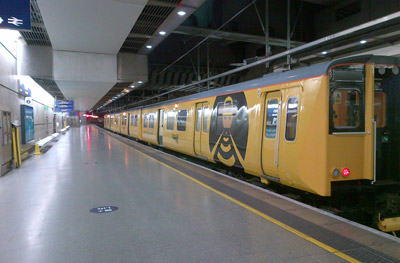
{"x": 232, "y": 36}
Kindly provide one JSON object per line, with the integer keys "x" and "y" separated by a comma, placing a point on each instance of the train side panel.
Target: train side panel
{"x": 178, "y": 127}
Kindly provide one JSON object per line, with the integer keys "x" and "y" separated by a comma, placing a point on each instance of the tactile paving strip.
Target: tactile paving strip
{"x": 351, "y": 248}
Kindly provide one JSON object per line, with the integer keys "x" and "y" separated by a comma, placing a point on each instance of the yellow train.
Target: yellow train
{"x": 315, "y": 128}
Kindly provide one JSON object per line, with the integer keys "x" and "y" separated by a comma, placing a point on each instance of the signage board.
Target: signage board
{"x": 15, "y": 14}
{"x": 27, "y": 121}
{"x": 24, "y": 91}
{"x": 28, "y": 101}
{"x": 64, "y": 106}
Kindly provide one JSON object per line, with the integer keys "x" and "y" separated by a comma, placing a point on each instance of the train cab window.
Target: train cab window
{"x": 272, "y": 118}
{"x": 136, "y": 120}
{"x": 291, "y": 118}
{"x": 346, "y": 105}
{"x": 170, "y": 120}
{"x": 151, "y": 121}
{"x": 181, "y": 120}
{"x": 206, "y": 113}
{"x": 145, "y": 120}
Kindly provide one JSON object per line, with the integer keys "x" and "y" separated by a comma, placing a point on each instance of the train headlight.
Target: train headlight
{"x": 336, "y": 173}
{"x": 346, "y": 172}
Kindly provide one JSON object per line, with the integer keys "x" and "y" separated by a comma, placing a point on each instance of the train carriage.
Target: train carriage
{"x": 315, "y": 128}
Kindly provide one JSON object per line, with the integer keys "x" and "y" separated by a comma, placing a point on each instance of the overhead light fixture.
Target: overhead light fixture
{"x": 324, "y": 52}
{"x": 363, "y": 41}
{"x": 181, "y": 13}
{"x": 140, "y": 82}
{"x": 162, "y": 33}
{"x": 132, "y": 87}
{"x": 149, "y": 46}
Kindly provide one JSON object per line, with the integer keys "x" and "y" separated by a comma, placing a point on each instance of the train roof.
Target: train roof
{"x": 281, "y": 77}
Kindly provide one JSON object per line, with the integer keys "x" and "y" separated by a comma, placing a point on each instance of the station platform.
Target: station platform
{"x": 169, "y": 210}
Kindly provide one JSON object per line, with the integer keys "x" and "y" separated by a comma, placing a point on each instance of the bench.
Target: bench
{"x": 43, "y": 142}
{"x": 63, "y": 131}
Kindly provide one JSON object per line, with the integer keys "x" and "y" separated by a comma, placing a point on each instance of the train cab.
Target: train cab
{"x": 364, "y": 122}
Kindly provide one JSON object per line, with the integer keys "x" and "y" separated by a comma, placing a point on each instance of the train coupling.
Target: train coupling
{"x": 389, "y": 224}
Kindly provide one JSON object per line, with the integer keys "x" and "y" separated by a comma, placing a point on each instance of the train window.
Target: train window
{"x": 226, "y": 113}
{"x": 145, "y": 120}
{"x": 151, "y": 121}
{"x": 380, "y": 109}
{"x": 198, "y": 119}
{"x": 206, "y": 113}
{"x": 132, "y": 119}
{"x": 291, "y": 118}
{"x": 346, "y": 104}
{"x": 181, "y": 120}
{"x": 136, "y": 120}
{"x": 170, "y": 120}
{"x": 124, "y": 120}
{"x": 272, "y": 118}
{"x": 346, "y": 112}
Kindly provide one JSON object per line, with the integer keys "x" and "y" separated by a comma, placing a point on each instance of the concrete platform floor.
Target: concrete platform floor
{"x": 162, "y": 216}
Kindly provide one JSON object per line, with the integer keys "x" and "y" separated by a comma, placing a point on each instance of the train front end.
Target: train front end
{"x": 364, "y": 132}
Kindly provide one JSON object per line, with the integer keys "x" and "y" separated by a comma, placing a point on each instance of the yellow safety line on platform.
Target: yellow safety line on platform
{"x": 276, "y": 222}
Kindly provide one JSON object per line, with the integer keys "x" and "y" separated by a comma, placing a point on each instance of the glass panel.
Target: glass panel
{"x": 132, "y": 120}
{"x": 136, "y": 120}
{"x": 146, "y": 120}
{"x": 170, "y": 120}
{"x": 272, "y": 118}
{"x": 151, "y": 122}
{"x": 346, "y": 105}
{"x": 380, "y": 109}
{"x": 198, "y": 123}
{"x": 205, "y": 119}
{"x": 181, "y": 120}
{"x": 291, "y": 118}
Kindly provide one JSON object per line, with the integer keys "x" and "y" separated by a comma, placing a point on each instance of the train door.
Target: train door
{"x": 160, "y": 126}
{"x": 271, "y": 133}
{"x": 387, "y": 123}
{"x": 201, "y": 129}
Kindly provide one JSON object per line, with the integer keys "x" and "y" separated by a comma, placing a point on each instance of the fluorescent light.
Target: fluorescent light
{"x": 363, "y": 41}
{"x": 149, "y": 46}
{"x": 140, "y": 82}
{"x": 132, "y": 87}
{"x": 324, "y": 52}
{"x": 181, "y": 13}
{"x": 162, "y": 33}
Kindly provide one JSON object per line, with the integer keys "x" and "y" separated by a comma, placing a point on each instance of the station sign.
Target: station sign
{"x": 15, "y": 14}
{"x": 24, "y": 91}
{"x": 64, "y": 106}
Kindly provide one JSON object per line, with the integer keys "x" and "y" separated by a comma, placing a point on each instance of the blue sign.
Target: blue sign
{"x": 103, "y": 209}
{"x": 15, "y": 14}
{"x": 24, "y": 91}
{"x": 64, "y": 106}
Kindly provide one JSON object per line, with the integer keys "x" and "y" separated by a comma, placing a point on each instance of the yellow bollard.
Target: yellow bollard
{"x": 37, "y": 150}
